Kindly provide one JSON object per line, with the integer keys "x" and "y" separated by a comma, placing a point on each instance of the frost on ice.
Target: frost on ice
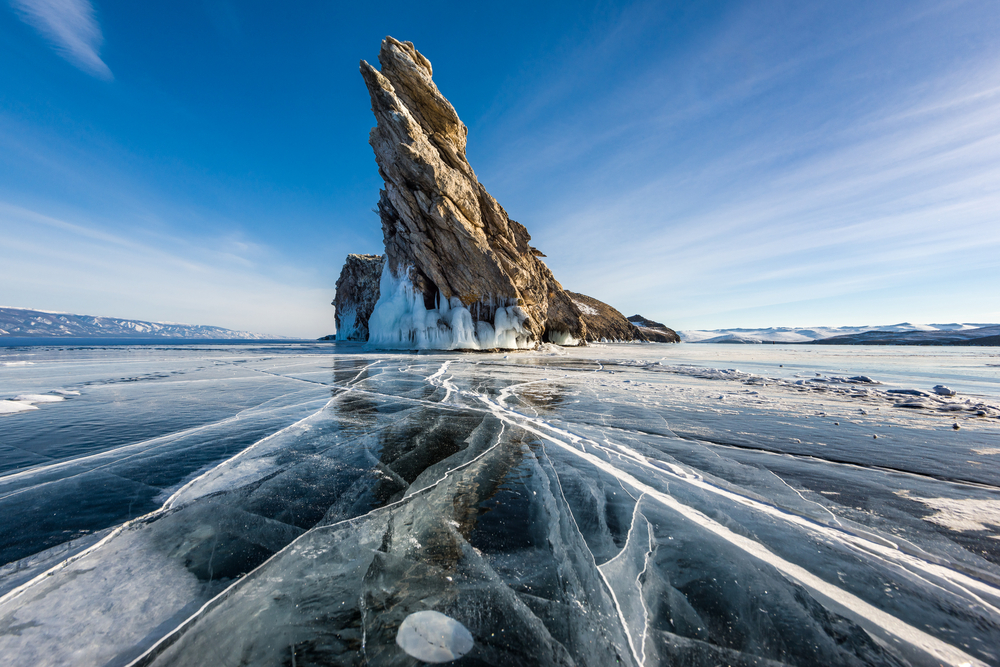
{"x": 433, "y": 637}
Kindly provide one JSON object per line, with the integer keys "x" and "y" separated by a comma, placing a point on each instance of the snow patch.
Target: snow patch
{"x": 961, "y": 514}
{"x": 11, "y": 407}
{"x": 585, "y": 309}
{"x": 39, "y": 398}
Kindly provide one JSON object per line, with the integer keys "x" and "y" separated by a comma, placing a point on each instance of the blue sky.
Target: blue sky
{"x": 708, "y": 164}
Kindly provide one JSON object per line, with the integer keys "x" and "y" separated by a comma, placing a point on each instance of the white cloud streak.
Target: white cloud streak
{"x": 730, "y": 196}
{"x": 52, "y": 264}
{"x": 71, "y": 26}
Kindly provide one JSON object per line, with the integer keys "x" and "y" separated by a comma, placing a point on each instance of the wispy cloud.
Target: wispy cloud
{"x": 753, "y": 179}
{"x": 72, "y": 28}
{"x": 75, "y": 266}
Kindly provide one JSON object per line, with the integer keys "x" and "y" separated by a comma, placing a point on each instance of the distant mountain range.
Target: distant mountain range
{"x": 893, "y": 334}
{"x": 24, "y": 323}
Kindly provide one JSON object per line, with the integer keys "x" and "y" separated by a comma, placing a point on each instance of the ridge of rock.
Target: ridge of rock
{"x": 459, "y": 272}
{"x": 604, "y": 323}
{"x": 655, "y": 332}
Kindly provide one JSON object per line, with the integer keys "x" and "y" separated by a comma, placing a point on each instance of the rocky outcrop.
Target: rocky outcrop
{"x": 357, "y": 293}
{"x": 654, "y": 332}
{"x": 604, "y": 323}
{"x": 460, "y": 273}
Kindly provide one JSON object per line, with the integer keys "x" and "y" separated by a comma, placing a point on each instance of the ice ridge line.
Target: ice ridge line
{"x": 641, "y": 659}
{"x": 144, "y": 444}
{"x": 16, "y": 592}
{"x": 167, "y": 640}
{"x": 168, "y": 504}
{"x": 607, "y": 584}
{"x": 861, "y": 610}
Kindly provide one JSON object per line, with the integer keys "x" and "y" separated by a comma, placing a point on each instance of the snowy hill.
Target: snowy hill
{"x": 902, "y": 333}
{"x": 25, "y": 323}
{"x": 985, "y": 335}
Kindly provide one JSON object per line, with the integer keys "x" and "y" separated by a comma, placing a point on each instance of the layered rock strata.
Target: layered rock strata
{"x": 357, "y": 294}
{"x": 459, "y": 272}
{"x": 654, "y": 332}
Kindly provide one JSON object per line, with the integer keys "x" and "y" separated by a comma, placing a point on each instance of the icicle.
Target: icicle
{"x": 401, "y": 320}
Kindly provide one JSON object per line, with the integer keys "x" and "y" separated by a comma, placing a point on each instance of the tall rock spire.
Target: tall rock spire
{"x": 446, "y": 238}
{"x": 459, "y": 273}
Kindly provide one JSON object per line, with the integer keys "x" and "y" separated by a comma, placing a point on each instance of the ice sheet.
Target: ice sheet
{"x": 589, "y": 506}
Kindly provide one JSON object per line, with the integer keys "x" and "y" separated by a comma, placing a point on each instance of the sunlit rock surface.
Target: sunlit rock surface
{"x": 357, "y": 293}
{"x": 461, "y": 274}
{"x": 604, "y": 323}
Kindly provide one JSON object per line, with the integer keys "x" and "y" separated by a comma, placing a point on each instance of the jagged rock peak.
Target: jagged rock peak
{"x": 459, "y": 272}
{"x": 357, "y": 294}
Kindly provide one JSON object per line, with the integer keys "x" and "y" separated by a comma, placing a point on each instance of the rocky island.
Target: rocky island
{"x": 655, "y": 331}
{"x": 457, "y": 273}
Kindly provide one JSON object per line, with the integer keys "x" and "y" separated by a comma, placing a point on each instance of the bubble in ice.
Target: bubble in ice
{"x": 433, "y": 637}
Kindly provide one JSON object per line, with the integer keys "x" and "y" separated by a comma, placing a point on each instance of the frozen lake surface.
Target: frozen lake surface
{"x": 299, "y": 504}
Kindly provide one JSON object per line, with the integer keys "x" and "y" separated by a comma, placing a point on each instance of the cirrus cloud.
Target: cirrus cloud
{"x": 71, "y": 27}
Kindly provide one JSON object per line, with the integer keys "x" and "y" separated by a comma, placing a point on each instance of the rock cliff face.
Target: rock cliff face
{"x": 357, "y": 293}
{"x": 654, "y": 332}
{"x": 604, "y": 323}
{"x": 459, "y": 272}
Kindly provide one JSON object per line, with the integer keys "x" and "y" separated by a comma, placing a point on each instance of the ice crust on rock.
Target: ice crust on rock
{"x": 563, "y": 338}
{"x": 347, "y": 323}
{"x": 401, "y": 320}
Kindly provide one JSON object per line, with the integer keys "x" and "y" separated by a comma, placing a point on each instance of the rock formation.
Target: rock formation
{"x": 654, "y": 332}
{"x": 357, "y": 293}
{"x": 604, "y": 323}
{"x": 459, "y": 272}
